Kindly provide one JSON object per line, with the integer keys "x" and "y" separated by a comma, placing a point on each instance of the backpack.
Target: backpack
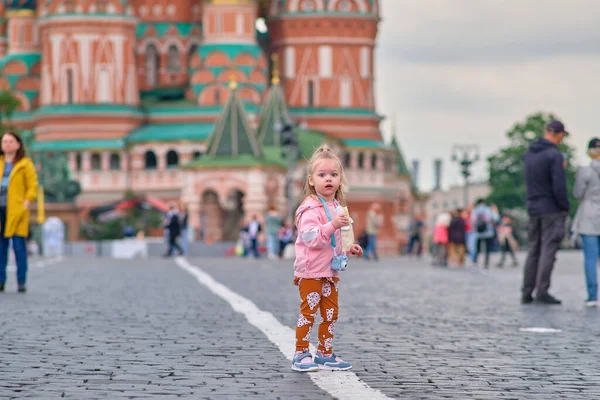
{"x": 480, "y": 224}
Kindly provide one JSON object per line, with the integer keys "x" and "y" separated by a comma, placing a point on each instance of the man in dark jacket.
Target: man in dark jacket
{"x": 548, "y": 205}
{"x": 173, "y": 227}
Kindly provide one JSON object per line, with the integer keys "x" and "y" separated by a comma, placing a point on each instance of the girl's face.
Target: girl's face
{"x": 10, "y": 144}
{"x": 326, "y": 178}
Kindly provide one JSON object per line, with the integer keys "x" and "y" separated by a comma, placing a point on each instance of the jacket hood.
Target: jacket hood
{"x": 540, "y": 145}
{"x": 309, "y": 203}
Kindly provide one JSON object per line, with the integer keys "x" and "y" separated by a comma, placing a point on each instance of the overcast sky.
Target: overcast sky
{"x": 464, "y": 71}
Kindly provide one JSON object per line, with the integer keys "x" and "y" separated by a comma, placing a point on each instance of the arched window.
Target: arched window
{"x": 96, "y": 162}
{"x": 361, "y": 160}
{"x": 70, "y": 6}
{"x": 115, "y": 162}
{"x": 374, "y": 161}
{"x": 152, "y": 65}
{"x": 21, "y": 34}
{"x": 150, "y": 160}
{"x": 217, "y": 97}
{"x": 346, "y": 91}
{"x": 347, "y": 158}
{"x": 192, "y": 51}
{"x": 308, "y": 6}
{"x": 172, "y": 159}
{"x": 103, "y": 91}
{"x": 173, "y": 59}
{"x": 101, "y": 6}
{"x": 310, "y": 101}
{"x": 78, "y": 162}
{"x": 345, "y": 5}
{"x": 70, "y": 87}
{"x": 196, "y": 155}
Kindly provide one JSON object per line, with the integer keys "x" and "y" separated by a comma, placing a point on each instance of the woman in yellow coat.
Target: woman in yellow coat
{"x": 18, "y": 189}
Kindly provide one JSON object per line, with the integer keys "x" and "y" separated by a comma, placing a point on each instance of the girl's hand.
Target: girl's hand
{"x": 26, "y": 204}
{"x": 340, "y": 220}
{"x": 356, "y": 250}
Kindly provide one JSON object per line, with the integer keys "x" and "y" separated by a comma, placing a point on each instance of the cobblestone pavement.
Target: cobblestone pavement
{"x": 99, "y": 328}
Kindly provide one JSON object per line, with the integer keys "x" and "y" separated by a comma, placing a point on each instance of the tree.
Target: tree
{"x": 506, "y": 180}
{"x": 8, "y": 105}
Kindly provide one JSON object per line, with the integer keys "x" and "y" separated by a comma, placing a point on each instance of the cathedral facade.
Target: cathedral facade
{"x": 185, "y": 99}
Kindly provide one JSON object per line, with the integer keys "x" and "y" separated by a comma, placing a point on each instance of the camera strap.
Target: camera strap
{"x": 333, "y": 242}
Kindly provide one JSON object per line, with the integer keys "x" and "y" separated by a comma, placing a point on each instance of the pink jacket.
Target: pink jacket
{"x": 313, "y": 245}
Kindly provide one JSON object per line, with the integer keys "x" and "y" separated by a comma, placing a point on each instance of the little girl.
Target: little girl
{"x": 319, "y": 242}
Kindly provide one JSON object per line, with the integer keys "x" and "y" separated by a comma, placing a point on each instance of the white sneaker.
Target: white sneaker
{"x": 591, "y": 303}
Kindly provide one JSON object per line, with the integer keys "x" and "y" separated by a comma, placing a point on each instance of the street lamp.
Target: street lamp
{"x": 290, "y": 151}
{"x": 465, "y": 156}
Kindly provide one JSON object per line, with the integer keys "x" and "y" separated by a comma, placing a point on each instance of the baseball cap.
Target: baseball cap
{"x": 556, "y": 127}
{"x": 594, "y": 144}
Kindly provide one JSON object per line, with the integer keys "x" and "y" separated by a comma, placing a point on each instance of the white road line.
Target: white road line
{"x": 341, "y": 384}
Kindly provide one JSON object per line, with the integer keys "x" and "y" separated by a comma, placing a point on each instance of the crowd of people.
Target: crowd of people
{"x": 461, "y": 235}
{"x": 278, "y": 232}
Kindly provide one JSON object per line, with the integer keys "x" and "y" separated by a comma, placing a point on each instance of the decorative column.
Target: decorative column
{"x": 354, "y": 160}
{"x": 105, "y": 157}
{"x": 86, "y": 162}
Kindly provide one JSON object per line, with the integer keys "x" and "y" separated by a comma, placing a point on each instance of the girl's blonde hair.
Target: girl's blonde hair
{"x": 325, "y": 153}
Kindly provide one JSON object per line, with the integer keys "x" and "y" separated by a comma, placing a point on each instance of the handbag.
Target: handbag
{"x": 338, "y": 262}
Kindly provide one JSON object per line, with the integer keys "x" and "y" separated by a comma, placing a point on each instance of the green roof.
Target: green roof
{"x": 231, "y": 50}
{"x": 345, "y": 112}
{"x": 171, "y": 132}
{"x": 309, "y": 141}
{"x": 73, "y": 145}
{"x": 183, "y": 28}
{"x": 271, "y": 156}
{"x": 273, "y": 116}
{"x": 233, "y": 135}
{"x": 72, "y": 109}
{"x": 365, "y": 143}
{"x": 400, "y": 163}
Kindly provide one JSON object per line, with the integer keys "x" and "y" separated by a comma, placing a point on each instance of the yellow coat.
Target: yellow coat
{"x": 22, "y": 185}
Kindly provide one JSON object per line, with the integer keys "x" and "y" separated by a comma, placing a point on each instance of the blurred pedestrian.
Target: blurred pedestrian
{"x": 548, "y": 206}
{"x": 483, "y": 222}
{"x": 507, "y": 241}
{"x": 440, "y": 239}
{"x": 254, "y": 229}
{"x": 587, "y": 219}
{"x": 18, "y": 189}
{"x": 456, "y": 239}
{"x": 374, "y": 223}
{"x": 273, "y": 223}
{"x": 172, "y": 227}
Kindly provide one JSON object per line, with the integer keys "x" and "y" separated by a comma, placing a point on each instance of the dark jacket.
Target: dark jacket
{"x": 545, "y": 179}
{"x": 457, "y": 230}
{"x": 174, "y": 226}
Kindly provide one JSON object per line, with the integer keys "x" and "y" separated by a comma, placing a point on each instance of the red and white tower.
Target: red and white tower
{"x": 88, "y": 69}
{"x": 229, "y": 51}
{"x": 326, "y": 51}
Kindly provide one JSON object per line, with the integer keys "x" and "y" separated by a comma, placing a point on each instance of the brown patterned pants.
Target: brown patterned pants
{"x": 317, "y": 294}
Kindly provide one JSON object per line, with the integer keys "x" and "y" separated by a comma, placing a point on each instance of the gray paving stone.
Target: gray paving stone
{"x": 104, "y": 329}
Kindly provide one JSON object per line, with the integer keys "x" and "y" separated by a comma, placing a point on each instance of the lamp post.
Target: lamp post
{"x": 465, "y": 156}
{"x": 290, "y": 151}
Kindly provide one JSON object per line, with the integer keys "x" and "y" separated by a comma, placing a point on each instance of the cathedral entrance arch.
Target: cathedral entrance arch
{"x": 211, "y": 216}
{"x": 233, "y": 214}
{"x": 221, "y": 214}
